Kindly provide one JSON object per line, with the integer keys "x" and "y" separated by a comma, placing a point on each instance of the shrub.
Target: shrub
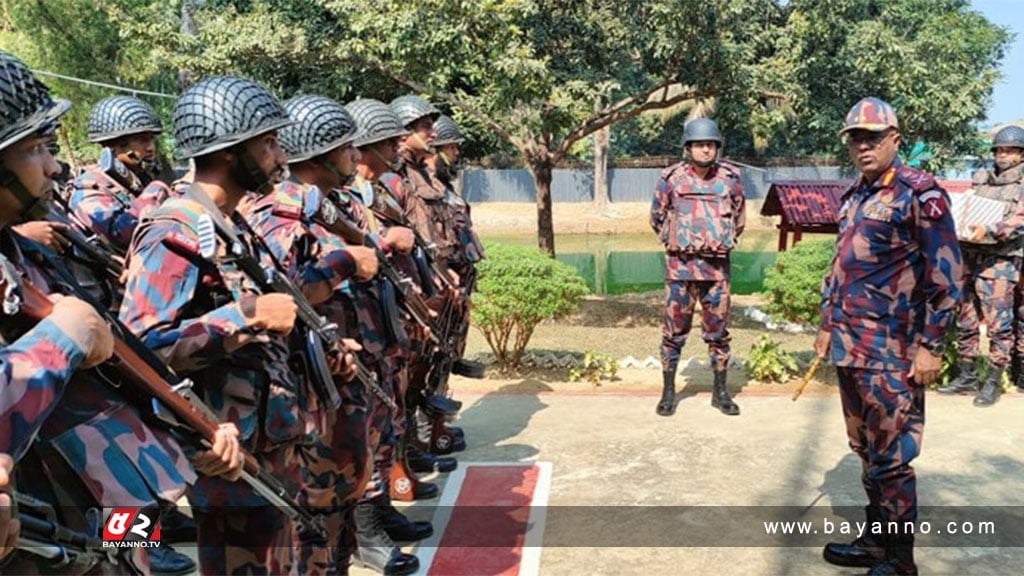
{"x": 517, "y": 289}
{"x": 596, "y": 367}
{"x": 768, "y": 362}
{"x": 793, "y": 284}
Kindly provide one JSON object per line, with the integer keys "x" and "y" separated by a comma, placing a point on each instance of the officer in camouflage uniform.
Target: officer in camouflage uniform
{"x": 886, "y": 304}
{"x": 188, "y": 300}
{"x": 78, "y": 443}
{"x": 992, "y": 271}
{"x": 111, "y": 202}
{"x": 697, "y": 213}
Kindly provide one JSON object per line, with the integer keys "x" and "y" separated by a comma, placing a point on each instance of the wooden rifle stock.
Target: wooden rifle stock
{"x": 167, "y": 390}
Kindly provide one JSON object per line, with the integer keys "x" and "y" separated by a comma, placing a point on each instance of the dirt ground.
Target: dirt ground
{"x": 510, "y": 218}
{"x": 630, "y": 325}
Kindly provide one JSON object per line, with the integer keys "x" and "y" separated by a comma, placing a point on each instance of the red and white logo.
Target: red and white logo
{"x": 132, "y": 528}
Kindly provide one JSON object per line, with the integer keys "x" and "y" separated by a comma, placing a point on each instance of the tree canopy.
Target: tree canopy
{"x": 523, "y": 76}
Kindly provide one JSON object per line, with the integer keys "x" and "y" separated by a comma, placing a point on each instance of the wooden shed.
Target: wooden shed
{"x": 812, "y": 206}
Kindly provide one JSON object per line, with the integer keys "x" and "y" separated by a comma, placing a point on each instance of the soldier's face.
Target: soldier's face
{"x": 422, "y": 137}
{"x": 345, "y": 159}
{"x": 872, "y": 152}
{"x": 703, "y": 152}
{"x": 388, "y": 150}
{"x": 32, "y": 163}
{"x": 1007, "y": 157}
{"x": 137, "y": 149}
{"x": 451, "y": 151}
{"x": 268, "y": 154}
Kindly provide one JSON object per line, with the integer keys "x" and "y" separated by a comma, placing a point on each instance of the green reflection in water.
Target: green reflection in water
{"x": 622, "y": 264}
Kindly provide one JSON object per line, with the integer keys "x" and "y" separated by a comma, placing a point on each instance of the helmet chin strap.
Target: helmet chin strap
{"x": 420, "y": 142}
{"x": 391, "y": 165}
{"x": 342, "y": 179}
{"x": 32, "y": 207}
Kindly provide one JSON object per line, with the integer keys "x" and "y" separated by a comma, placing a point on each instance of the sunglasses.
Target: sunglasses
{"x": 859, "y": 137}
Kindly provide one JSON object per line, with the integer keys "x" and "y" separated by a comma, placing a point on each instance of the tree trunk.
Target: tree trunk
{"x": 541, "y": 167}
{"x": 601, "y": 194}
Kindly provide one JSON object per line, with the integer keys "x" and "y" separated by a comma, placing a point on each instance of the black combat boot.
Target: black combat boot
{"x": 426, "y": 463}
{"x": 965, "y": 383}
{"x": 166, "y": 561}
{"x": 397, "y": 525}
{"x": 899, "y": 557}
{"x": 864, "y": 552}
{"x": 992, "y": 389}
{"x": 667, "y": 404}
{"x": 720, "y": 397}
{"x": 469, "y": 369}
{"x": 376, "y": 550}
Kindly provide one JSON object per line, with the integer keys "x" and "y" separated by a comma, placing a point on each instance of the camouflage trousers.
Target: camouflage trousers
{"x": 991, "y": 300}
{"x": 681, "y": 297}
{"x": 335, "y": 472}
{"x": 884, "y": 414}
{"x": 254, "y": 539}
{"x": 381, "y": 425}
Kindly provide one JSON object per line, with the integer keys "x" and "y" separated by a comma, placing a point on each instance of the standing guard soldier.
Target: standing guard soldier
{"x": 79, "y": 445}
{"x": 698, "y": 215}
{"x": 886, "y": 304}
{"x": 189, "y": 301}
{"x": 110, "y": 197}
{"x": 992, "y": 270}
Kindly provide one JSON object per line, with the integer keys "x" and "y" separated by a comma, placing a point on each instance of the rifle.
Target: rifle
{"x": 172, "y": 398}
{"x": 427, "y": 252}
{"x": 118, "y": 172}
{"x": 42, "y": 535}
{"x": 414, "y": 305}
{"x": 94, "y": 248}
{"x": 319, "y": 333}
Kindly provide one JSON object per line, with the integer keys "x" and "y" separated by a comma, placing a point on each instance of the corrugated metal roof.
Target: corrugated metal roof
{"x": 816, "y": 202}
{"x": 805, "y": 202}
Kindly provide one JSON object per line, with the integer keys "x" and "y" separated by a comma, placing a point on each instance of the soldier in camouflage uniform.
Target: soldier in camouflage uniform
{"x": 190, "y": 303}
{"x": 992, "y": 271}
{"x": 697, "y": 213}
{"x": 78, "y": 443}
{"x": 320, "y": 150}
{"x": 111, "y": 202}
{"x": 886, "y": 304}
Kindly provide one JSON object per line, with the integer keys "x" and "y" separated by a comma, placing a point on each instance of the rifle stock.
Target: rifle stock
{"x": 140, "y": 368}
{"x": 41, "y": 535}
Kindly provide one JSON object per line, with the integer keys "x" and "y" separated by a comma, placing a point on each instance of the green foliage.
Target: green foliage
{"x": 793, "y": 284}
{"x": 596, "y": 368}
{"x": 768, "y": 362}
{"x": 517, "y": 289}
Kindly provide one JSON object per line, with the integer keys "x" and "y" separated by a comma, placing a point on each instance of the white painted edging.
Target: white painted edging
{"x": 529, "y": 564}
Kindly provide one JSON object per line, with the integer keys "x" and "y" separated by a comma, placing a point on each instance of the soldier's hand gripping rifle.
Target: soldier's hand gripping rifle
{"x": 94, "y": 248}
{"x": 409, "y": 299}
{"x": 320, "y": 336}
{"x": 43, "y": 536}
{"x": 172, "y": 399}
{"x": 425, "y": 251}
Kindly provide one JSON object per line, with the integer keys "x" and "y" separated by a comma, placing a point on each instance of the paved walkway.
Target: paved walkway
{"x": 612, "y": 453}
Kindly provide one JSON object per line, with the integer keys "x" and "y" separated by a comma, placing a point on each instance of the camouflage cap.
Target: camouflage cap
{"x": 871, "y": 114}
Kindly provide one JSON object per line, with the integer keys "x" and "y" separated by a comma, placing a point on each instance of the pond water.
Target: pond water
{"x": 621, "y": 264}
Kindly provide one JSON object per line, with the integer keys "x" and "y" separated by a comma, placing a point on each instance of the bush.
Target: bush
{"x": 768, "y": 362}
{"x": 793, "y": 284}
{"x": 517, "y": 289}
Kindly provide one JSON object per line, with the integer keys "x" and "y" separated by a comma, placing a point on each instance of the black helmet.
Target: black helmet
{"x": 120, "y": 116}
{"x": 321, "y": 125}
{"x": 411, "y": 108}
{"x": 701, "y": 130}
{"x": 1009, "y": 137}
{"x": 376, "y": 120}
{"x": 446, "y": 131}
{"x": 221, "y": 111}
{"x": 25, "y": 104}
